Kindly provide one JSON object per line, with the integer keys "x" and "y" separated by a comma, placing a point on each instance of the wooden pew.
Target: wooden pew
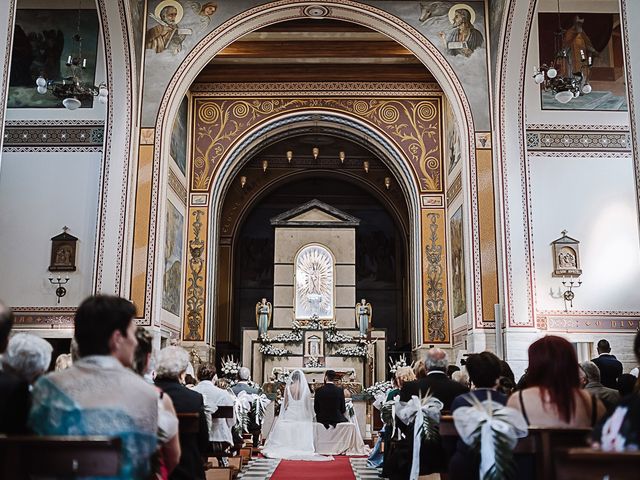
{"x": 23, "y": 457}
{"x": 541, "y": 443}
{"x": 590, "y": 464}
{"x": 188, "y": 422}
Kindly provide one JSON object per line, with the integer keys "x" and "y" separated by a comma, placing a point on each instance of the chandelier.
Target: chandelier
{"x": 567, "y": 76}
{"x": 71, "y": 89}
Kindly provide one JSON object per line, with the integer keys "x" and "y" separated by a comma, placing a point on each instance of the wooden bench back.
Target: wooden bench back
{"x": 189, "y": 422}
{"x": 223, "y": 412}
{"x": 542, "y": 443}
{"x": 23, "y": 457}
{"x": 590, "y": 464}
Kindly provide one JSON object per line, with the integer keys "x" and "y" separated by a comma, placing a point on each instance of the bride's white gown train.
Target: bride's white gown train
{"x": 291, "y": 437}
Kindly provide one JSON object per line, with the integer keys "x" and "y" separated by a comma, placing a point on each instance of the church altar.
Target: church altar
{"x": 314, "y": 323}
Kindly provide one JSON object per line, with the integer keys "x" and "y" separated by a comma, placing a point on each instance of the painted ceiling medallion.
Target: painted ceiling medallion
{"x": 316, "y": 11}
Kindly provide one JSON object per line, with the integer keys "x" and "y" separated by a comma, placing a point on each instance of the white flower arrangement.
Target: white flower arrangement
{"x": 394, "y": 365}
{"x": 377, "y": 389}
{"x": 352, "y": 351}
{"x": 314, "y": 324}
{"x": 290, "y": 337}
{"x": 269, "y": 350}
{"x": 337, "y": 337}
{"x": 230, "y": 367}
{"x": 313, "y": 362}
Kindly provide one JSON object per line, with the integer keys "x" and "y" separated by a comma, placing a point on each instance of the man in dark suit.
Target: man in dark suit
{"x": 433, "y": 456}
{"x": 329, "y": 403}
{"x": 436, "y": 382}
{"x": 609, "y": 366}
{"x": 14, "y": 392}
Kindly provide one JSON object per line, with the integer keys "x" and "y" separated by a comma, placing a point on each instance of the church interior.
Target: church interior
{"x": 346, "y": 186}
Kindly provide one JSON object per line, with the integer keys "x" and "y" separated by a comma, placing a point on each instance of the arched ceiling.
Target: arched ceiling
{"x": 314, "y": 50}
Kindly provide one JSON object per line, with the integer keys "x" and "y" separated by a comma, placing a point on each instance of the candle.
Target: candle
{"x": 84, "y": 63}
{"x": 69, "y": 60}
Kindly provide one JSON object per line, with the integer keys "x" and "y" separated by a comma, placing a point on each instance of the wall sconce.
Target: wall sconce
{"x": 566, "y": 263}
{"x": 387, "y": 182}
{"x": 265, "y": 164}
{"x": 316, "y": 152}
{"x": 289, "y": 155}
{"x": 568, "y": 295}
{"x": 60, "y": 290}
{"x": 243, "y": 181}
{"x": 342, "y": 156}
{"x": 365, "y": 164}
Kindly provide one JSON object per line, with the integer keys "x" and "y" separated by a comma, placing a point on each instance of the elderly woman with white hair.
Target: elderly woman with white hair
{"x": 171, "y": 368}
{"x": 28, "y": 356}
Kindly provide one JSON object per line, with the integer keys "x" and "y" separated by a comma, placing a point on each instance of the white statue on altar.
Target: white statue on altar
{"x": 364, "y": 312}
{"x": 263, "y": 316}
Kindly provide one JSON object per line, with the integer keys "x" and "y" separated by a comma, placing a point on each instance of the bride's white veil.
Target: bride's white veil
{"x": 298, "y": 398}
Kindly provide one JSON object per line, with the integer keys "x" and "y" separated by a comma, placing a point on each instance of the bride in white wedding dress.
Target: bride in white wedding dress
{"x": 291, "y": 437}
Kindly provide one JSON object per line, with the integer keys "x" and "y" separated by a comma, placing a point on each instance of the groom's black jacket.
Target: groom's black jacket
{"x": 329, "y": 405}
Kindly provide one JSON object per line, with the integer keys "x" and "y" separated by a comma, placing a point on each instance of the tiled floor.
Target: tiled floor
{"x": 259, "y": 469}
{"x": 362, "y": 472}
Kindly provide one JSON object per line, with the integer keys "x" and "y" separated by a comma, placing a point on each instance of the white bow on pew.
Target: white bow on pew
{"x": 484, "y": 420}
{"x": 417, "y": 410}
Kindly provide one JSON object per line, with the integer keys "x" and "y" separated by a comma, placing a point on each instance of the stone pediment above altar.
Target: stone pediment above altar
{"x": 315, "y": 214}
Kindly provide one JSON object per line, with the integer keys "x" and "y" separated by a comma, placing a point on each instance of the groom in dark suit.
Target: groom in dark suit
{"x": 329, "y": 402}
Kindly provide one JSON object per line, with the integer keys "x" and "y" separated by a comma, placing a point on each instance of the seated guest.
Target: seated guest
{"x": 610, "y": 367}
{"x": 419, "y": 369}
{"x": 626, "y": 384}
{"x": 169, "y": 444}
{"x": 244, "y": 376}
{"x": 402, "y": 376}
{"x": 484, "y": 371}
{"x": 27, "y": 356}
{"x": 328, "y": 402}
{"x": 608, "y": 396}
{"x": 436, "y": 382}
{"x": 99, "y": 394}
{"x": 621, "y": 431}
{"x": 220, "y": 433}
{"x": 553, "y": 397}
{"x": 63, "y": 362}
{"x": 451, "y": 369}
{"x": 171, "y": 369}
{"x": 462, "y": 377}
{"x": 14, "y": 391}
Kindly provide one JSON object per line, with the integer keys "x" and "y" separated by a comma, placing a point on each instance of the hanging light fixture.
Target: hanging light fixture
{"x": 289, "y": 155}
{"x": 365, "y": 165}
{"x": 342, "y": 156}
{"x": 243, "y": 181}
{"x": 387, "y": 182}
{"x": 566, "y": 77}
{"x": 265, "y": 164}
{"x": 71, "y": 90}
{"x": 315, "y": 151}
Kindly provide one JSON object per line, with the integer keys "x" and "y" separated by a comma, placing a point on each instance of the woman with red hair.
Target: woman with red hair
{"x": 553, "y": 397}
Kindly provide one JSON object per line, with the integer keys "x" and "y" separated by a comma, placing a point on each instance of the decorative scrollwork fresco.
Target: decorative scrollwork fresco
{"x": 436, "y": 327}
{"x": 195, "y": 281}
{"x": 413, "y": 124}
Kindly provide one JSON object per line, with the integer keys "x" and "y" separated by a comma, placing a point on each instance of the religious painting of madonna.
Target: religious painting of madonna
{"x": 586, "y": 38}
{"x": 42, "y": 42}
{"x": 172, "y": 280}
{"x": 458, "y": 283}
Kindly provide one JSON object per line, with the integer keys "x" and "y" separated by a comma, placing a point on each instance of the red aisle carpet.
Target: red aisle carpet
{"x": 338, "y": 469}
